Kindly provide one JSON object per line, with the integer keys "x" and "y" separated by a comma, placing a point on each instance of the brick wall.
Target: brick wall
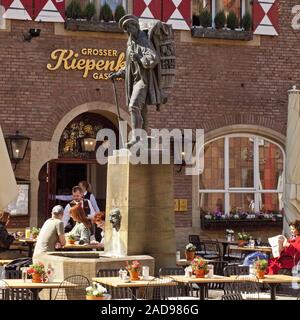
{"x": 216, "y": 85}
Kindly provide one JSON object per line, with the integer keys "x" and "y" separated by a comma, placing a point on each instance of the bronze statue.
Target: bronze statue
{"x": 150, "y": 61}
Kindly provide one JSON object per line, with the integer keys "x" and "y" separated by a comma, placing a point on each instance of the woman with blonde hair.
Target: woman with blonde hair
{"x": 81, "y": 230}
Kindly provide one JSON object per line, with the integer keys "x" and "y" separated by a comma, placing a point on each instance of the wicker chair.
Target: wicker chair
{"x": 116, "y": 293}
{"x": 7, "y": 293}
{"x": 232, "y": 296}
{"x": 67, "y": 290}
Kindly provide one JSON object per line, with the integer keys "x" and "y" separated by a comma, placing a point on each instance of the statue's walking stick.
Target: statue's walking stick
{"x": 118, "y": 113}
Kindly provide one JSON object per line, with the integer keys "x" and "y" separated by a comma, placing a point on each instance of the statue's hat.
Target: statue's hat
{"x": 128, "y": 18}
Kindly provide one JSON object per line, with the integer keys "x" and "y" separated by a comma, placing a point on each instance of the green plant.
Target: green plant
{"x": 89, "y": 11}
{"x": 243, "y": 236}
{"x": 246, "y": 21}
{"x": 232, "y": 20}
{"x": 119, "y": 13}
{"x": 199, "y": 263}
{"x": 74, "y": 10}
{"x": 190, "y": 247}
{"x": 35, "y": 231}
{"x": 71, "y": 237}
{"x": 106, "y": 13}
{"x": 205, "y": 18}
{"x": 220, "y": 19}
{"x": 37, "y": 268}
{"x": 261, "y": 264}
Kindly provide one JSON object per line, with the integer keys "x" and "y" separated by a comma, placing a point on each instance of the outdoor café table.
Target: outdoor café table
{"x": 30, "y": 243}
{"x": 202, "y": 282}
{"x": 273, "y": 281}
{"x": 35, "y": 288}
{"x": 264, "y": 249}
{"x": 134, "y": 286}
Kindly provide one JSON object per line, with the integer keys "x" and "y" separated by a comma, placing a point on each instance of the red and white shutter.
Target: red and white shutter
{"x": 177, "y": 13}
{"x": 50, "y": 10}
{"x": 17, "y": 9}
{"x": 147, "y": 10}
{"x": 266, "y": 17}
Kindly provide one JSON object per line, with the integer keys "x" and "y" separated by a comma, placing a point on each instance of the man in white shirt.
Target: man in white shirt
{"x": 78, "y": 199}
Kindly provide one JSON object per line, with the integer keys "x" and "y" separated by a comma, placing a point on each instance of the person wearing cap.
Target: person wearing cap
{"x": 52, "y": 234}
{"x": 141, "y": 75}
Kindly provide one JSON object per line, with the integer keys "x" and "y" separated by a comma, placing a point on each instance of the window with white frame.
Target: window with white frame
{"x": 242, "y": 173}
{"x": 240, "y": 7}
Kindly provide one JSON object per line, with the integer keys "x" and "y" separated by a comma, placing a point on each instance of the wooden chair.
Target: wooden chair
{"x": 67, "y": 291}
{"x": 116, "y": 293}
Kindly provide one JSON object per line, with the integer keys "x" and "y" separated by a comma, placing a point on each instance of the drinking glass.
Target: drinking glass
{"x": 27, "y": 233}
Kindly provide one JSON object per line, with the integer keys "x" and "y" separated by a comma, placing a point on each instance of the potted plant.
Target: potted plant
{"x": 37, "y": 272}
{"x": 190, "y": 250}
{"x": 119, "y": 13}
{"x": 243, "y": 237}
{"x": 89, "y": 11}
{"x": 35, "y": 232}
{"x": 106, "y": 14}
{"x": 133, "y": 269}
{"x": 232, "y": 20}
{"x": 96, "y": 292}
{"x": 205, "y": 19}
{"x": 261, "y": 266}
{"x": 246, "y": 21}
{"x": 220, "y": 19}
{"x": 73, "y": 10}
{"x": 199, "y": 267}
{"x": 71, "y": 239}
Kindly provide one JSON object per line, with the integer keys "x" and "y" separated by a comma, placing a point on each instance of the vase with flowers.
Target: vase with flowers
{"x": 37, "y": 272}
{"x": 35, "y": 232}
{"x": 199, "y": 267}
{"x": 97, "y": 292}
{"x": 71, "y": 239}
{"x": 243, "y": 238}
{"x": 261, "y": 266}
{"x": 134, "y": 269}
{"x": 190, "y": 250}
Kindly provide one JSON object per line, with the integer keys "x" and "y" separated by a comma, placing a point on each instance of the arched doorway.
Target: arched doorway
{"x": 76, "y": 162}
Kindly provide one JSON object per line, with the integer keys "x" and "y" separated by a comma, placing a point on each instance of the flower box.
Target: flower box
{"x": 91, "y": 26}
{"x": 211, "y": 33}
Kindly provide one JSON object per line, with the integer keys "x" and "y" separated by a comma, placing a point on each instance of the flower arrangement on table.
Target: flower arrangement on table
{"x": 134, "y": 269}
{"x": 190, "y": 250}
{"x": 38, "y": 272}
{"x": 96, "y": 292}
{"x": 243, "y": 237}
{"x": 229, "y": 234}
{"x": 199, "y": 267}
{"x": 35, "y": 232}
{"x": 261, "y": 266}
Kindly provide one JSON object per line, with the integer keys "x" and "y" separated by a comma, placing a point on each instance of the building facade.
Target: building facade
{"x": 235, "y": 89}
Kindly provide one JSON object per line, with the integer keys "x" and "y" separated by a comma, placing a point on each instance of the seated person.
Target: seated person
{"x": 81, "y": 230}
{"x": 99, "y": 228}
{"x": 52, "y": 234}
{"x": 6, "y": 239}
{"x": 290, "y": 253}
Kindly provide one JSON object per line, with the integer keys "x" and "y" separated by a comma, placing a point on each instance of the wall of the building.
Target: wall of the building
{"x": 219, "y": 83}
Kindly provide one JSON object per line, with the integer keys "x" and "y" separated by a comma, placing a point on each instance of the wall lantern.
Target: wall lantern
{"x": 88, "y": 144}
{"x": 16, "y": 145}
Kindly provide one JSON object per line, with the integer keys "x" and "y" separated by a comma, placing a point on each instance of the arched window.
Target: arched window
{"x": 243, "y": 173}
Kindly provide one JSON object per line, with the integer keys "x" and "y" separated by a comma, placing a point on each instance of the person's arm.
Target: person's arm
{"x": 61, "y": 234}
{"x": 92, "y": 211}
{"x": 94, "y": 203}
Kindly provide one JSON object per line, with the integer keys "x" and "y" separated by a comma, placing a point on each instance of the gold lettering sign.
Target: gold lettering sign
{"x": 87, "y": 62}
{"x": 176, "y": 205}
{"x": 183, "y": 205}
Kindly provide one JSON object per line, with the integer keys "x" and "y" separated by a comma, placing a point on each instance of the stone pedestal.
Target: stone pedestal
{"x": 144, "y": 195}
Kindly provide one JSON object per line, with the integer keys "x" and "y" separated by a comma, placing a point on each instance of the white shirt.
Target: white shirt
{"x": 93, "y": 202}
{"x": 66, "y": 216}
